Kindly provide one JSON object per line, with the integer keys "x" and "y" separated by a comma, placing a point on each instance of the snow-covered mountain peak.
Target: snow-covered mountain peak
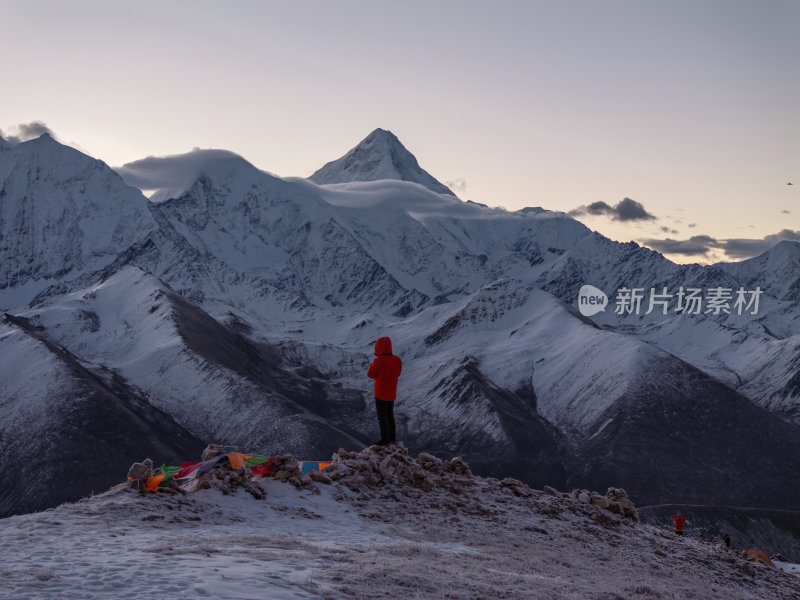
{"x": 5, "y": 144}
{"x": 45, "y": 150}
{"x": 383, "y": 134}
{"x": 787, "y": 250}
{"x": 378, "y": 156}
{"x": 62, "y": 214}
{"x": 776, "y": 271}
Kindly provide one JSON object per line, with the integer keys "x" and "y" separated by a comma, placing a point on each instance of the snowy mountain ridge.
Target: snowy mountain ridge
{"x": 244, "y": 306}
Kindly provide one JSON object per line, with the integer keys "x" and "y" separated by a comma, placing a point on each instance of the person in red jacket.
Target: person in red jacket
{"x": 679, "y": 521}
{"x": 385, "y": 370}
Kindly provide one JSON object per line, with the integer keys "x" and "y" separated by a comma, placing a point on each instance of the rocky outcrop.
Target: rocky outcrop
{"x": 615, "y": 501}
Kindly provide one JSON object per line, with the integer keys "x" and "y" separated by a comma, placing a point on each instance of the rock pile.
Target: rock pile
{"x": 223, "y": 475}
{"x": 616, "y": 501}
{"x": 382, "y": 466}
{"x": 287, "y": 469}
{"x": 391, "y": 472}
{"x": 212, "y": 451}
{"x": 227, "y": 480}
{"x": 284, "y": 468}
{"x": 139, "y": 473}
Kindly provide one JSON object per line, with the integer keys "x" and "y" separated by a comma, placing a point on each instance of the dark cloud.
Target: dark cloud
{"x": 747, "y": 248}
{"x": 786, "y": 212}
{"x": 598, "y": 208}
{"x": 666, "y": 229}
{"x": 26, "y": 131}
{"x": 625, "y": 210}
{"x": 735, "y": 249}
{"x": 697, "y": 245}
{"x": 692, "y": 225}
{"x": 631, "y": 210}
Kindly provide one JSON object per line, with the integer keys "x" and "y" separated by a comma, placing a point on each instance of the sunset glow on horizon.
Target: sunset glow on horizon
{"x": 688, "y": 109}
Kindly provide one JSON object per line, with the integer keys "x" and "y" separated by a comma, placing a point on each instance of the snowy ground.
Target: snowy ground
{"x": 467, "y": 543}
{"x": 788, "y": 567}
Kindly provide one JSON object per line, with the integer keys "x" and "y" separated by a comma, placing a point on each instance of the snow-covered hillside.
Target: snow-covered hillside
{"x": 466, "y": 537}
{"x": 54, "y": 412}
{"x": 206, "y": 376}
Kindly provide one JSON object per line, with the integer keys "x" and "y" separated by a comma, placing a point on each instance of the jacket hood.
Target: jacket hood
{"x": 383, "y": 346}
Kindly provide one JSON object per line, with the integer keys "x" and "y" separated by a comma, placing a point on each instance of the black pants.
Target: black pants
{"x": 385, "y": 412}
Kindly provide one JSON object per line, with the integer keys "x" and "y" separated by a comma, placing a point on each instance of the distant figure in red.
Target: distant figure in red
{"x": 385, "y": 370}
{"x": 679, "y": 521}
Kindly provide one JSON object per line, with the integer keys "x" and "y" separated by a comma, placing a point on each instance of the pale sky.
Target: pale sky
{"x": 691, "y": 108}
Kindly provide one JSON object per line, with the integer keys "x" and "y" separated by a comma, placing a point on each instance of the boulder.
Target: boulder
{"x": 320, "y": 478}
{"x": 212, "y": 451}
{"x": 551, "y": 491}
{"x": 139, "y": 473}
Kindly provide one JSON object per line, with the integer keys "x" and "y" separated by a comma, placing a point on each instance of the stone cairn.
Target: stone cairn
{"x": 286, "y": 468}
{"x": 227, "y": 479}
{"x": 370, "y": 469}
{"x": 378, "y": 470}
{"x": 139, "y": 473}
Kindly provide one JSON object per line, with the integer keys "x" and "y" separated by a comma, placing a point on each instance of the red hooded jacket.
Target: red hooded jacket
{"x": 679, "y": 521}
{"x": 385, "y": 370}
